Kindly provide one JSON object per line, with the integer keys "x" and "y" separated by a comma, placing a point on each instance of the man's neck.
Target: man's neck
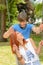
{"x": 22, "y": 27}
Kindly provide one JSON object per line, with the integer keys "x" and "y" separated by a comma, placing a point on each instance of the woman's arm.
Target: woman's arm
{"x": 20, "y": 58}
{"x": 8, "y": 33}
{"x": 37, "y": 50}
{"x": 40, "y": 46}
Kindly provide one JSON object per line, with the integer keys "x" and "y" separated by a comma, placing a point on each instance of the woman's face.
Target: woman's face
{"x": 20, "y": 38}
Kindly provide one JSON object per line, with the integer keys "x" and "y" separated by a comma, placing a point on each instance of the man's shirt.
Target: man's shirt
{"x": 24, "y": 31}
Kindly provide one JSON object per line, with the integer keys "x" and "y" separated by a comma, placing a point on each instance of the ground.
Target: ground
{"x": 6, "y": 56}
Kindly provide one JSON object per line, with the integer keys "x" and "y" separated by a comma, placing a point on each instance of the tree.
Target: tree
{"x": 3, "y": 19}
{"x": 38, "y": 10}
{"x": 3, "y": 15}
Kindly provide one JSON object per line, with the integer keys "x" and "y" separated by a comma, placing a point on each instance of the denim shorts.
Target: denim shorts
{"x": 33, "y": 63}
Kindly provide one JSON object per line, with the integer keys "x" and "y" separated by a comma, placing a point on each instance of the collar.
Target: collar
{"x": 22, "y": 27}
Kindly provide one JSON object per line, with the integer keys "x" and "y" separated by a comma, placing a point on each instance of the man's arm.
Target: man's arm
{"x": 37, "y": 30}
{"x": 8, "y": 33}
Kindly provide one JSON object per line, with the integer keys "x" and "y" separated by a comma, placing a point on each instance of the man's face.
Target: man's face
{"x": 23, "y": 23}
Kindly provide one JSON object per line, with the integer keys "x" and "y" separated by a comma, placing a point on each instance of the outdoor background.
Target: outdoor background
{"x": 8, "y": 17}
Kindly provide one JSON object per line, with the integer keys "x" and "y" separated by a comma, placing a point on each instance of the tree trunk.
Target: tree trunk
{"x": 3, "y": 21}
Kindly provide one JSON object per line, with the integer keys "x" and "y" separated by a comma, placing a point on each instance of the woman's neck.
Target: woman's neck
{"x": 24, "y": 46}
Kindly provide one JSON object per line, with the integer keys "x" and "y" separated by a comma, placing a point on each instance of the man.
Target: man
{"x": 23, "y": 27}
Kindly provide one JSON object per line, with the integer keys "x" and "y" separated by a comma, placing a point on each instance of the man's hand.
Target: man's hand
{"x": 38, "y": 29}
{"x": 41, "y": 27}
{"x": 8, "y": 33}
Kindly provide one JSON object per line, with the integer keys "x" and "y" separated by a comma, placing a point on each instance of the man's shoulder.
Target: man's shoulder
{"x": 15, "y": 25}
{"x": 30, "y": 24}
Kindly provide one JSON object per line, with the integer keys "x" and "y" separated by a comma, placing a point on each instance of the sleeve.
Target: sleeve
{"x": 31, "y": 26}
{"x": 14, "y": 27}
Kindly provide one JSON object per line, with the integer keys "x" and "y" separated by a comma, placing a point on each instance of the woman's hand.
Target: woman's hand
{"x": 41, "y": 43}
{"x": 14, "y": 47}
{"x": 20, "y": 58}
{"x": 22, "y": 61}
{"x": 39, "y": 47}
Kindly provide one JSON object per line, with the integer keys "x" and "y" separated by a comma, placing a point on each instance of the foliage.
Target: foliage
{"x": 12, "y": 11}
{"x": 13, "y": 8}
{"x": 38, "y": 10}
{"x": 2, "y": 7}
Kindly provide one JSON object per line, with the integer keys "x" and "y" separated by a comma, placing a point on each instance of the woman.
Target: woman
{"x": 26, "y": 50}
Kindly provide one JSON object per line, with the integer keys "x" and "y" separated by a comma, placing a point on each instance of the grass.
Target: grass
{"x": 6, "y": 56}
{"x": 37, "y": 39}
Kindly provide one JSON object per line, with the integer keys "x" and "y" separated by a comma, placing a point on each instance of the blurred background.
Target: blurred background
{"x": 9, "y": 10}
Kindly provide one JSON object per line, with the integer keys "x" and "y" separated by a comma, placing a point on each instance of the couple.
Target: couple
{"x": 25, "y": 29}
{"x": 26, "y": 50}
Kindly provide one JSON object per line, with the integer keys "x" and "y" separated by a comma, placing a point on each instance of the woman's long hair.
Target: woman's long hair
{"x": 13, "y": 40}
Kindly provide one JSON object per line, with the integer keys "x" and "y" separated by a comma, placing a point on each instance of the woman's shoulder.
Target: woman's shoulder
{"x": 30, "y": 40}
